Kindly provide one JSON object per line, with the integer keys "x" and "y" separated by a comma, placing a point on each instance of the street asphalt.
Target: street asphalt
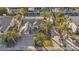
{"x": 26, "y": 40}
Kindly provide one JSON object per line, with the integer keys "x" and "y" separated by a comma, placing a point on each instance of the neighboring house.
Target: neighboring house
{"x": 76, "y": 10}
{"x": 35, "y": 11}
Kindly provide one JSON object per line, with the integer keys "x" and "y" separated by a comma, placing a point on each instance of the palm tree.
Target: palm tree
{"x": 41, "y": 40}
{"x": 61, "y": 9}
{"x": 61, "y": 25}
{"x": 8, "y": 38}
{"x": 24, "y": 10}
{"x": 47, "y": 42}
{"x": 39, "y": 37}
{"x": 46, "y": 15}
{"x": 47, "y": 26}
{"x": 60, "y": 18}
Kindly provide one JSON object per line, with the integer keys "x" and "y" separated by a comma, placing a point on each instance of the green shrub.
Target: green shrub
{"x": 3, "y": 11}
{"x": 8, "y": 38}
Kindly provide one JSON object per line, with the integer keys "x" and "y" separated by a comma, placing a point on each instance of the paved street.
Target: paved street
{"x": 25, "y": 41}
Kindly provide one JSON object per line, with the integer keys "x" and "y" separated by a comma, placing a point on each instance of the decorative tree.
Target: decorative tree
{"x": 41, "y": 40}
{"x": 24, "y": 10}
{"x": 46, "y": 13}
{"x": 39, "y": 37}
{"x": 61, "y": 9}
{"x": 8, "y": 38}
{"x": 60, "y": 25}
{"x": 45, "y": 37}
{"x": 60, "y": 18}
{"x": 47, "y": 26}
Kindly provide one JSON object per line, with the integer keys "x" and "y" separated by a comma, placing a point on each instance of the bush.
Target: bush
{"x": 8, "y": 38}
{"x": 3, "y": 11}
